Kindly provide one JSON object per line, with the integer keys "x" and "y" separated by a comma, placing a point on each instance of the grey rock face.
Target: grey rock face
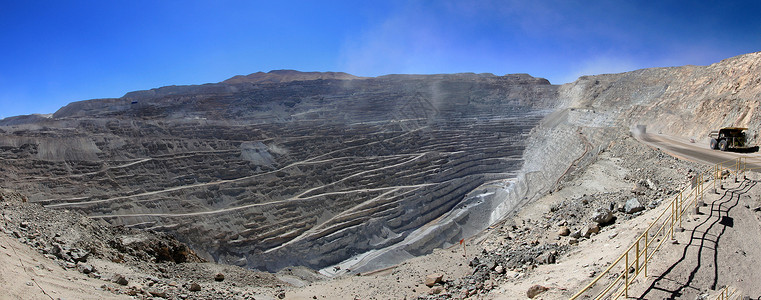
{"x": 273, "y": 170}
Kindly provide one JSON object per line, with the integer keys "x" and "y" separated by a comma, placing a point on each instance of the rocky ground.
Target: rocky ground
{"x": 552, "y": 247}
{"x": 114, "y": 261}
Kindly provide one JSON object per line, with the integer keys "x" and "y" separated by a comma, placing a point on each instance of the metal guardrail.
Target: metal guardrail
{"x": 726, "y": 294}
{"x": 633, "y": 262}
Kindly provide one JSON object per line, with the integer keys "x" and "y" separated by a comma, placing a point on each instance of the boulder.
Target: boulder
{"x": 589, "y": 230}
{"x": 547, "y": 258}
{"x": 219, "y": 277}
{"x": 435, "y": 290}
{"x": 602, "y": 216}
{"x": 194, "y": 287}
{"x": 650, "y": 184}
{"x": 564, "y": 231}
{"x": 118, "y": 278}
{"x": 633, "y": 206}
{"x": 474, "y": 262}
{"x": 433, "y": 279}
{"x": 490, "y": 264}
{"x": 79, "y": 255}
{"x": 536, "y": 290}
{"x": 499, "y": 270}
{"x": 157, "y": 293}
{"x": 85, "y": 268}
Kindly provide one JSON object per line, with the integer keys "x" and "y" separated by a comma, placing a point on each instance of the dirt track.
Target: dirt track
{"x": 698, "y": 152}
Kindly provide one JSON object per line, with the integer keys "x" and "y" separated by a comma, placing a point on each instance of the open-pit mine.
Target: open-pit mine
{"x": 289, "y": 168}
{"x": 346, "y": 175}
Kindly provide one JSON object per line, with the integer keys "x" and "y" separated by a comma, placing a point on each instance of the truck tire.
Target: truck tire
{"x": 723, "y": 145}
{"x": 714, "y": 144}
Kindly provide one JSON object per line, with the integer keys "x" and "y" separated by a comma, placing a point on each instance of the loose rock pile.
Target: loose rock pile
{"x": 159, "y": 266}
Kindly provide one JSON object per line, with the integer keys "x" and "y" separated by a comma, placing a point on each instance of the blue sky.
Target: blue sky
{"x": 56, "y": 52}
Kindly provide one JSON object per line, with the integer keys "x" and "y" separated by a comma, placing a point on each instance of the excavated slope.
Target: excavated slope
{"x": 687, "y": 101}
{"x": 268, "y": 172}
{"x": 288, "y": 168}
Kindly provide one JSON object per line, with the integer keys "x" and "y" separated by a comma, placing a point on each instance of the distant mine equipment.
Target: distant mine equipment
{"x": 728, "y": 137}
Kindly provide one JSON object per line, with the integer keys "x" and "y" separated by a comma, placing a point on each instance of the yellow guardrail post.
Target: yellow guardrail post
{"x": 673, "y": 203}
{"x": 647, "y": 233}
{"x": 737, "y": 169}
{"x": 701, "y": 191}
{"x": 636, "y": 259}
{"x": 626, "y": 275}
{"x": 697, "y": 203}
{"x": 681, "y": 208}
{"x": 716, "y": 167}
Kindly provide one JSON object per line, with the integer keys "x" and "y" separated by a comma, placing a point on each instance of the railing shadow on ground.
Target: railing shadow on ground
{"x": 622, "y": 272}
{"x": 698, "y": 238}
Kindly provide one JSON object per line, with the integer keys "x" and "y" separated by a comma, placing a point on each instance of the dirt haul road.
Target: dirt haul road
{"x": 698, "y": 152}
{"x": 719, "y": 245}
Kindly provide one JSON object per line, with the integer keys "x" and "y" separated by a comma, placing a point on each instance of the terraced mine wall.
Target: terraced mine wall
{"x": 279, "y": 169}
{"x": 268, "y": 173}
